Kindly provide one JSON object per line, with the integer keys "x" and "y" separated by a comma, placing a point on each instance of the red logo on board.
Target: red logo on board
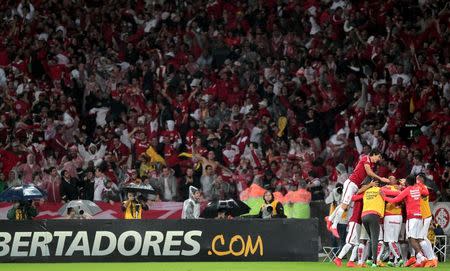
{"x": 442, "y": 217}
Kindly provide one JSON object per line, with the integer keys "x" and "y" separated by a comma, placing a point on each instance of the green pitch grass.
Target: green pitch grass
{"x": 184, "y": 266}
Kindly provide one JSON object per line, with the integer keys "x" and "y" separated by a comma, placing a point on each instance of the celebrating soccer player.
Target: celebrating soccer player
{"x": 363, "y": 169}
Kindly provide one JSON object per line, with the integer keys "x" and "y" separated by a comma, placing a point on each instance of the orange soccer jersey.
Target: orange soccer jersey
{"x": 424, "y": 204}
{"x": 373, "y": 202}
{"x": 393, "y": 208}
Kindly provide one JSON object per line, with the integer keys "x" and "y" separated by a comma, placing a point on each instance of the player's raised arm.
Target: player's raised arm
{"x": 366, "y": 186}
{"x": 398, "y": 198}
{"x": 389, "y": 192}
{"x": 372, "y": 174}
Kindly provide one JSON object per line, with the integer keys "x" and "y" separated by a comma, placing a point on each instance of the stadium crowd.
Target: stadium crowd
{"x": 221, "y": 94}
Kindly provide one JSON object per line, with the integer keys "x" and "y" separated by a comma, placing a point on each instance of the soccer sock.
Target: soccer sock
{"x": 427, "y": 249}
{"x": 366, "y": 250}
{"x": 394, "y": 249}
{"x": 380, "y": 250}
{"x": 404, "y": 248}
{"x": 361, "y": 253}
{"x": 337, "y": 216}
{"x": 430, "y": 248}
{"x": 420, "y": 258}
{"x": 332, "y": 215}
{"x": 344, "y": 251}
{"x": 412, "y": 251}
{"x": 354, "y": 253}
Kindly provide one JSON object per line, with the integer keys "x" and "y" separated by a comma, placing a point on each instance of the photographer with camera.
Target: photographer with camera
{"x": 22, "y": 210}
{"x": 271, "y": 208}
{"x": 77, "y": 213}
{"x": 133, "y": 206}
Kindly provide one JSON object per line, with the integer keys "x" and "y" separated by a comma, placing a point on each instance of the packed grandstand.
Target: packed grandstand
{"x": 234, "y": 98}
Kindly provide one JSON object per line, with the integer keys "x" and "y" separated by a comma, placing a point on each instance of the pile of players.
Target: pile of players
{"x": 389, "y": 219}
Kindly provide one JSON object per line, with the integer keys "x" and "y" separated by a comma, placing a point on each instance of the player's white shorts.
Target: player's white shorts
{"x": 365, "y": 236}
{"x": 413, "y": 228}
{"x": 425, "y": 226}
{"x": 349, "y": 189}
{"x": 392, "y": 227}
{"x": 353, "y": 231}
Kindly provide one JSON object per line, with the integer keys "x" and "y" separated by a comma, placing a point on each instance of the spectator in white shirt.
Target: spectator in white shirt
{"x": 99, "y": 185}
{"x": 417, "y": 165}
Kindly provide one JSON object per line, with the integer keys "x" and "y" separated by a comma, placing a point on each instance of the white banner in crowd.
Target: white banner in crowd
{"x": 441, "y": 213}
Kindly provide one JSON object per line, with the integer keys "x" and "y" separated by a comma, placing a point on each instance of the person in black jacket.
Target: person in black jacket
{"x": 187, "y": 181}
{"x": 271, "y": 208}
{"x": 87, "y": 185}
{"x": 69, "y": 187}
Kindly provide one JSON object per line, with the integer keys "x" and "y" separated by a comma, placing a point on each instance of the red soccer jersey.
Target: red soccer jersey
{"x": 359, "y": 173}
{"x": 412, "y": 195}
{"x": 140, "y": 146}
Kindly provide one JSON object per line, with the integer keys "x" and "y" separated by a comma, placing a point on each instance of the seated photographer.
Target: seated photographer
{"x": 72, "y": 213}
{"x": 223, "y": 214}
{"x": 271, "y": 208}
{"x": 133, "y": 206}
{"x": 22, "y": 210}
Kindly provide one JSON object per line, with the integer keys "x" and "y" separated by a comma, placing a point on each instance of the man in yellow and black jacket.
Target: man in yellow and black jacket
{"x": 133, "y": 207}
{"x": 22, "y": 210}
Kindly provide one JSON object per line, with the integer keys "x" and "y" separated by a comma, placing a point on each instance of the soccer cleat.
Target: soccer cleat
{"x": 400, "y": 263}
{"x": 335, "y": 232}
{"x": 419, "y": 265}
{"x": 329, "y": 223}
{"x": 351, "y": 264}
{"x": 410, "y": 262}
{"x": 431, "y": 263}
{"x": 337, "y": 262}
{"x": 369, "y": 263}
{"x": 391, "y": 264}
{"x": 374, "y": 265}
{"x": 381, "y": 264}
{"x": 363, "y": 265}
